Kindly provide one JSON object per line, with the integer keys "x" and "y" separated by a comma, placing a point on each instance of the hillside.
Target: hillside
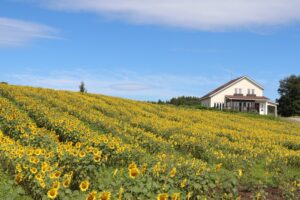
{"x": 68, "y": 145}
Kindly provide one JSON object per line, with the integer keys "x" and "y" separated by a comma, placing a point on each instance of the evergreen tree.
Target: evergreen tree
{"x": 82, "y": 88}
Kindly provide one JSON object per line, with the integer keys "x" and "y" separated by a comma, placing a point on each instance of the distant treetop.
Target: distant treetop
{"x": 82, "y": 88}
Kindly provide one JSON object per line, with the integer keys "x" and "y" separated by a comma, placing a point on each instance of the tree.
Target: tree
{"x": 289, "y": 91}
{"x": 185, "y": 101}
{"x": 82, "y": 88}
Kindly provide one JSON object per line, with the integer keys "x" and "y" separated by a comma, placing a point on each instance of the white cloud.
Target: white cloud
{"x": 18, "y": 32}
{"x": 119, "y": 83}
{"x": 211, "y": 15}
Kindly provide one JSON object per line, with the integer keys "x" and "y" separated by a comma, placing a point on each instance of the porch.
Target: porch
{"x": 256, "y": 104}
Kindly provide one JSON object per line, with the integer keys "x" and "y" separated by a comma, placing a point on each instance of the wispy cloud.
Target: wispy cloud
{"x": 15, "y": 32}
{"x": 209, "y": 15}
{"x": 120, "y": 83}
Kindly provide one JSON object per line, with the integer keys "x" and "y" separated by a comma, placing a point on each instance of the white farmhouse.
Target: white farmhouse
{"x": 241, "y": 94}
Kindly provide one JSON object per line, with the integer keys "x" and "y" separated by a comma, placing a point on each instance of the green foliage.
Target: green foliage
{"x": 82, "y": 88}
{"x": 289, "y": 101}
{"x": 9, "y": 190}
{"x": 185, "y": 101}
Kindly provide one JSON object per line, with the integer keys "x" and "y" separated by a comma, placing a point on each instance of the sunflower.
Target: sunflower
{"x": 82, "y": 154}
{"x": 55, "y": 174}
{"x": 32, "y": 159}
{"x": 132, "y": 165}
{"x": 56, "y": 184}
{"x": 162, "y": 196}
{"x": 19, "y": 178}
{"x": 52, "y": 193}
{"x": 218, "y": 167}
{"x": 240, "y": 172}
{"x": 36, "y": 161}
{"x": 33, "y": 170}
{"x": 176, "y": 196}
{"x": 84, "y": 185}
{"x": 97, "y": 158}
{"x": 144, "y": 168}
{"x": 173, "y": 172}
{"x": 134, "y": 172}
{"x": 39, "y": 176}
{"x": 66, "y": 183}
{"x": 105, "y": 195}
{"x": 78, "y": 145}
{"x": 183, "y": 183}
{"x": 44, "y": 169}
{"x": 19, "y": 167}
{"x": 38, "y": 152}
{"x": 91, "y": 196}
{"x": 25, "y": 165}
{"x": 42, "y": 183}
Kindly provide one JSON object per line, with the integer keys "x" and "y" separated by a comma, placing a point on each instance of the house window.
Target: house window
{"x": 248, "y": 91}
{"x": 235, "y": 90}
{"x": 253, "y": 91}
{"x": 240, "y": 91}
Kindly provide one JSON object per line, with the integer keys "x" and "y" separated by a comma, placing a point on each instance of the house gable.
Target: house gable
{"x": 244, "y": 84}
{"x": 230, "y": 84}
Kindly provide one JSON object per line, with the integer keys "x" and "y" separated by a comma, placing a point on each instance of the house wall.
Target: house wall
{"x": 245, "y": 84}
{"x": 206, "y": 102}
{"x": 263, "y": 108}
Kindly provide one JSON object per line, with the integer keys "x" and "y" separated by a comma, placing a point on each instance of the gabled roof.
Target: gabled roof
{"x": 222, "y": 87}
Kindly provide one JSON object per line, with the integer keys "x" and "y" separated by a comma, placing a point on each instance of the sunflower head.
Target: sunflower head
{"x": 33, "y": 170}
{"x": 91, "y": 196}
{"x": 52, "y": 193}
{"x": 19, "y": 178}
{"x": 81, "y": 154}
{"x": 132, "y": 165}
{"x": 66, "y": 183}
{"x": 218, "y": 167}
{"x": 56, "y": 184}
{"x": 176, "y": 196}
{"x": 183, "y": 183}
{"x": 162, "y": 196}
{"x": 39, "y": 176}
{"x": 134, "y": 172}
{"x": 173, "y": 172}
{"x": 84, "y": 185}
{"x": 97, "y": 158}
{"x": 105, "y": 195}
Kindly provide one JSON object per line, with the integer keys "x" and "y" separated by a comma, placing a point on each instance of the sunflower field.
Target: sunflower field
{"x": 68, "y": 145}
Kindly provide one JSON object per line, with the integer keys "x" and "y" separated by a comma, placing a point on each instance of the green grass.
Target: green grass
{"x": 9, "y": 190}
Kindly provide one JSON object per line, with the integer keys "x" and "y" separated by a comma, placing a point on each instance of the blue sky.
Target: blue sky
{"x": 148, "y": 50}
